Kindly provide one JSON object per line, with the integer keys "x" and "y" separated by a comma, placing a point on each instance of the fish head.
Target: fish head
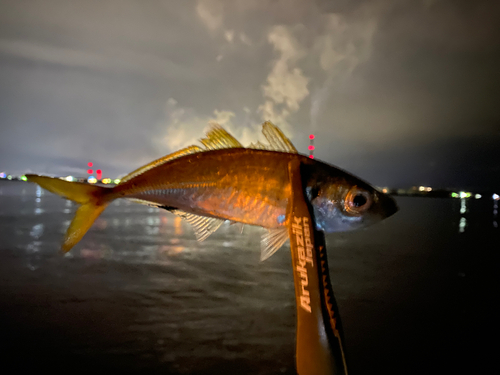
{"x": 342, "y": 202}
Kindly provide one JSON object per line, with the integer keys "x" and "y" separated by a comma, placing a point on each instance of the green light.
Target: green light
{"x": 24, "y": 178}
{"x": 454, "y": 195}
{"x": 116, "y": 181}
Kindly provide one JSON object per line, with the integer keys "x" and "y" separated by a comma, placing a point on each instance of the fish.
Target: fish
{"x": 222, "y": 180}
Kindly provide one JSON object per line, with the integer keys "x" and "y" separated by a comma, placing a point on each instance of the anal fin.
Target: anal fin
{"x": 203, "y": 226}
{"x": 272, "y": 241}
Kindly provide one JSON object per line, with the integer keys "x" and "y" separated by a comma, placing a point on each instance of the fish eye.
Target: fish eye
{"x": 357, "y": 201}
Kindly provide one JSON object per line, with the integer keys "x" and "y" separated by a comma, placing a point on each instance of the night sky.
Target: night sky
{"x": 400, "y": 93}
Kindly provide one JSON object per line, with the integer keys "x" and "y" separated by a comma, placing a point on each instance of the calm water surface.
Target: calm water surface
{"x": 139, "y": 294}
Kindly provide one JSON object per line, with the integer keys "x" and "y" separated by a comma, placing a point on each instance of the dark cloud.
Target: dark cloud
{"x": 393, "y": 90}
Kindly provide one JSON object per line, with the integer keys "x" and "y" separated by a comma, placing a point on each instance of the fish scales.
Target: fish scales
{"x": 227, "y": 181}
{"x": 244, "y": 185}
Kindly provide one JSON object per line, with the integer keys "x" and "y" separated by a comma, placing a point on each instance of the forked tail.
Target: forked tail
{"x": 93, "y": 199}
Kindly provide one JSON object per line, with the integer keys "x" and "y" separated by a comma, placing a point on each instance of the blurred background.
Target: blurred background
{"x": 403, "y": 94}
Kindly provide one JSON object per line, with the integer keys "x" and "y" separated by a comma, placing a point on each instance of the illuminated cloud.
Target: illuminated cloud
{"x": 229, "y": 35}
{"x": 286, "y": 85}
{"x": 211, "y": 13}
{"x": 184, "y": 127}
{"x": 344, "y": 43}
{"x": 245, "y": 39}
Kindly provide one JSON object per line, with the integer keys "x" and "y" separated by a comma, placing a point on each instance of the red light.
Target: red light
{"x": 98, "y": 171}
{"x": 90, "y": 171}
{"x": 311, "y": 136}
{"x": 311, "y": 156}
{"x": 311, "y": 147}
{"x": 90, "y": 165}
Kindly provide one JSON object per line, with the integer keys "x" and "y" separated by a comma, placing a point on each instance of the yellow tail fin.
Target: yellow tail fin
{"x": 92, "y": 198}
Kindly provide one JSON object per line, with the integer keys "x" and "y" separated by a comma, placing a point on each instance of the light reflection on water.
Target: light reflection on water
{"x": 495, "y": 213}
{"x": 463, "y": 205}
{"x": 68, "y": 207}
{"x": 464, "y": 209}
{"x": 178, "y": 226}
{"x": 462, "y": 224}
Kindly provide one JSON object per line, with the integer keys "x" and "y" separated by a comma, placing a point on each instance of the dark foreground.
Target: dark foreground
{"x": 140, "y": 295}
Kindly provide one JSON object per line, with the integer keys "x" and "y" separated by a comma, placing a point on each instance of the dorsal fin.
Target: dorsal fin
{"x": 164, "y": 159}
{"x": 218, "y": 138}
{"x": 276, "y": 138}
{"x": 203, "y": 226}
{"x": 259, "y": 146}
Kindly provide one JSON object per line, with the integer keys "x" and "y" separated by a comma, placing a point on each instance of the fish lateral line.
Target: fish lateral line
{"x": 224, "y": 181}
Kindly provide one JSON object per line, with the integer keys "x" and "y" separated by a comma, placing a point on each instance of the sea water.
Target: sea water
{"x": 139, "y": 294}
